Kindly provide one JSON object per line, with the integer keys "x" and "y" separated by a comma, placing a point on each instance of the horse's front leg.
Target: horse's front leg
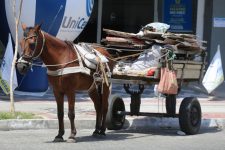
{"x": 60, "y": 113}
{"x": 71, "y": 115}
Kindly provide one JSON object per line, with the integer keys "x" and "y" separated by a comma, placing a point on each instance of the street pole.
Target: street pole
{"x": 156, "y": 15}
{"x": 200, "y": 19}
{"x": 99, "y": 22}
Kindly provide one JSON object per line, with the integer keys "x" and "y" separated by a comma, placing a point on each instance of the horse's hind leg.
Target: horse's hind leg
{"x": 71, "y": 115}
{"x": 60, "y": 112}
{"x": 104, "y": 108}
{"x": 101, "y": 106}
{"x": 97, "y": 104}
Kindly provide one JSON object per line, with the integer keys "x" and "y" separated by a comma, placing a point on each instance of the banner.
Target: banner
{"x": 214, "y": 74}
{"x": 6, "y": 69}
{"x": 64, "y": 19}
{"x": 179, "y": 15}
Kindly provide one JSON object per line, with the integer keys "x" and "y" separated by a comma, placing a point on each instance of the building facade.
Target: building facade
{"x": 205, "y": 18}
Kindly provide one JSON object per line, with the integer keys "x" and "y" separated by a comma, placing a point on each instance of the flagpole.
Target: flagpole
{"x": 12, "y": 106}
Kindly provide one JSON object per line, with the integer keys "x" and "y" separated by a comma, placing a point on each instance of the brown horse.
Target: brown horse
{"x": 57, "y": 55}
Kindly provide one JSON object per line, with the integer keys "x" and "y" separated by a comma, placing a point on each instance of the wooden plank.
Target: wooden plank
{"x": 181, "y": 51}
{"x": 117, "y": 39}
{"x": 178, "y": 66}
{"x": 187, "y": 62}
{"x": 189, "y": 73}
{"x": 187, "y": 66}
{"x": 198, "y": 67}
{"x": 120, "y": 34}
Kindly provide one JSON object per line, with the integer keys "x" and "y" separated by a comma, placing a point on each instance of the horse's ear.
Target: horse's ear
{"x": 24, "y": 26}
{"x": 38, "y": 27}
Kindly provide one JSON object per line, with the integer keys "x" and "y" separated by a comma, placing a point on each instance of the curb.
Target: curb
{"x": 131, "y": 123}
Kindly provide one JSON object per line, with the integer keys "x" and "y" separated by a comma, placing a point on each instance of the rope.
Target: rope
{"x": 43, "y": 65}
{"x": 105, "y": 78}
{"x": 115, "y": 59}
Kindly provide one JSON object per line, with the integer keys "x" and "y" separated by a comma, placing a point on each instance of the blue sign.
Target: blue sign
{"x": 179, "y": 15}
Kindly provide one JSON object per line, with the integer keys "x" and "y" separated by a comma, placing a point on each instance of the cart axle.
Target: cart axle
{"x": 148, "y": 114}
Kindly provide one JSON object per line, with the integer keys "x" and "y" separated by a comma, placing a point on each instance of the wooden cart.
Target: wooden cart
{"x": 188, "y": 70}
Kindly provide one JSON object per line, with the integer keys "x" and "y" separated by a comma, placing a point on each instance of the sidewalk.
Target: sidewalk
{"x": 213, "y": 109}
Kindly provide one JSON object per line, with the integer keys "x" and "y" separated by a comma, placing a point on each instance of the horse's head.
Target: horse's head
{"x": 32, "y": 45}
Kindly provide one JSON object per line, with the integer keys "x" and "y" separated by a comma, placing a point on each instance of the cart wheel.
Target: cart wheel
{"x": 171, "y": 105}
{"x": 116, "y": 113}
{"x": 190, "y": 115}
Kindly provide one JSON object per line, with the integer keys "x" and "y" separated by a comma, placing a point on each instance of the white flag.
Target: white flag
{"x": 6, "y": 68}
{"x": 214, "y": 74}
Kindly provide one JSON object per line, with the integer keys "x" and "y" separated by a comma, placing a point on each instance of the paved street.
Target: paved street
{"x": 160, "y": 139}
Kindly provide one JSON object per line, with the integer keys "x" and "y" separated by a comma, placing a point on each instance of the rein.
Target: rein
{"x": 42, "y": 47}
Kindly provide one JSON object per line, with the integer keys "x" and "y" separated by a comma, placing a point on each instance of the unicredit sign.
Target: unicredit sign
{"x": 72, "y": 23}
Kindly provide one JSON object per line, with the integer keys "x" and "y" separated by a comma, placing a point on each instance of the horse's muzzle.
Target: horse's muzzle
{"x": 23, "y": 66}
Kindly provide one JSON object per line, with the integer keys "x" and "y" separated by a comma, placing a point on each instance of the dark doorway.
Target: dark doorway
{"x": 122, "y": 15}
{"x": 127, "y": 15}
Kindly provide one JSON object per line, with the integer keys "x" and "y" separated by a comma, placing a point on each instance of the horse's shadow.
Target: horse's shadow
{"x": 109, "y": 137}
{"x": 127, "y": 134}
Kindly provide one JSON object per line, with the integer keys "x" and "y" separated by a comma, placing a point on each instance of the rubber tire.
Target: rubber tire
{"x": 113, "y": 120}
{"x": 171, "y": 105}
{"x": 190, "y": 115}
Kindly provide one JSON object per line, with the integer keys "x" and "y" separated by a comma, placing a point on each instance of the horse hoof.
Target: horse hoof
{"x": 71, "y": 140}
{"x": 97, "y": 134}
{"x": 58, "y": 139}
{"x": 102, "y": 134}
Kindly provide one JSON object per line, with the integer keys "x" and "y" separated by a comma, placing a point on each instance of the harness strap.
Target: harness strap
{"x": 79, "y": 57}
{"x": 92, "y": 87}
{"x": 69, "y": 70}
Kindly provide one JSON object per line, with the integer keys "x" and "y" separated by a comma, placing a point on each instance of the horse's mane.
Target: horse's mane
{"x": 69, "y": 43}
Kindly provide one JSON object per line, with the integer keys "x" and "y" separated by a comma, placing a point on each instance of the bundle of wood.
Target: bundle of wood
{"x": 188, "y": 42}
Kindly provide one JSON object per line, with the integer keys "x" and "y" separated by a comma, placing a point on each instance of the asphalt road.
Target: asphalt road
{"x": 159, "y": 139}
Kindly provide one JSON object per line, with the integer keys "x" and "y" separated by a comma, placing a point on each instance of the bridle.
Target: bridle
{"x": 32, "y": 57}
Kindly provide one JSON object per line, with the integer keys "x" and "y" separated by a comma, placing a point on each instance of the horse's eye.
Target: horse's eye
{"x": 32, "y": 46}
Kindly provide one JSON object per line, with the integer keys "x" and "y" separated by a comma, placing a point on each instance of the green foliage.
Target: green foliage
{"x": 17, "y": 115}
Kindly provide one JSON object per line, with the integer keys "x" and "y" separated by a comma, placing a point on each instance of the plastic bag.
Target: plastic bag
{"x": 168, "y": 82}
{"x": 155, "y": 27}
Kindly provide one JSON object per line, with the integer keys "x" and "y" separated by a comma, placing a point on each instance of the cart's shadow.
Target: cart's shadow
{"x": 169, "y": 128}
{"x": 126, "y": 134}
{"x": 131, "y": 132}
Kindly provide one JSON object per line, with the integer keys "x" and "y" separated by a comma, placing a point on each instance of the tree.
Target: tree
{"x": 17, "y": 20}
